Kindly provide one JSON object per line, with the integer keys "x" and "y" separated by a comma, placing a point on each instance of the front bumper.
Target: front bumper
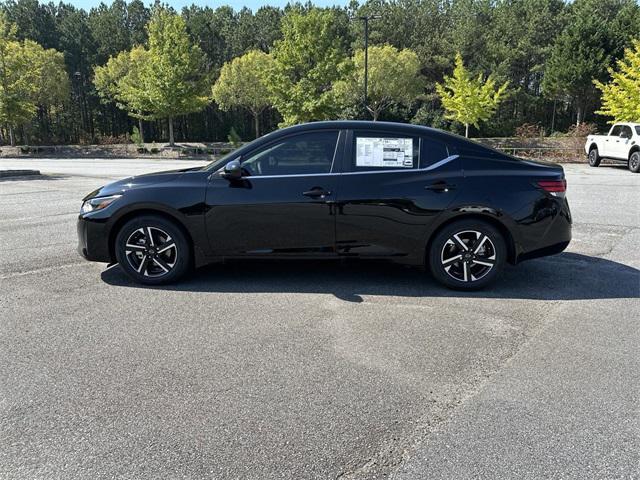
{"x": 93, "y": 240}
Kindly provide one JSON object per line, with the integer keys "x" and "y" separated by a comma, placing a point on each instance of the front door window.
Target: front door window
{"x": 305, "y": 154}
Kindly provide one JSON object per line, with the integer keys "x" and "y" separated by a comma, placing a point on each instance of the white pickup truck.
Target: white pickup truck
{"x": 622, "y": 144}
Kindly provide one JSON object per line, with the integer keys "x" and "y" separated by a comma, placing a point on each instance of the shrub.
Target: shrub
{"x": 234, "y": 138}
{"x": 136, "y": 138}
{"x": 529, "y": 130}
{"x": 581, "y": 130}
{"x": 111, "y": 139}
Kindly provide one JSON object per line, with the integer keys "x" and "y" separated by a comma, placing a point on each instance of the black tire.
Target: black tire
{"x": 594, "y": 157}
{"x": 163, "y": 260}
{"x": 476, "y": 241}
{"x": 634, "y": 162}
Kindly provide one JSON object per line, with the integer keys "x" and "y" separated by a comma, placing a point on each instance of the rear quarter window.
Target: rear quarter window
{"x": 432, "y": 152}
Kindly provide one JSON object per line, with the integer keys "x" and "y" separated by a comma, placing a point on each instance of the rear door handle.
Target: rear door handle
{"x": 317, "y": 192}
{"x": 440, "y": 187}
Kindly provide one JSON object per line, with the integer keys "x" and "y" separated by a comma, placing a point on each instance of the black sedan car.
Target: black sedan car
{"x": 376, "y": 190}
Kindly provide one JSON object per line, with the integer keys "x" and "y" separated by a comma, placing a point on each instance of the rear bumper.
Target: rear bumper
{"x": 93, "y": 240}
{"x": 556, "y": 238}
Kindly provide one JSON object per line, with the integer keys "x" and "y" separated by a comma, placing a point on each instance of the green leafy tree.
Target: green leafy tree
{"x": 30, "y": 76}
{"x": 394, "y": 79}
{"x": 305, "y": 65}
{"x": 119, "y": 81}
{"x": 469, "y": 100}
{"x": 173, "y": 78}
{"x": 621, "y": 96}
{"x": 243, "y": 83}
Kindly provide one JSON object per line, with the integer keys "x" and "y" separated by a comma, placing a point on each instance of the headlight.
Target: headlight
{"x": 98, "y": 203}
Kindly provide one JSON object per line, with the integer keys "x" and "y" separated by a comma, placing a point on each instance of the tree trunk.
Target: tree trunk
{"x": 578, "y": 116}
{"x": 553, "y": 117}
{"x": 466, "y": 130}
{"x": 256, "y": 122}
{"x": 375, "y": 114}
{"x": 171, "y": 140}
{"x": 12, "y": 138}
{"x": 140, "y": 129}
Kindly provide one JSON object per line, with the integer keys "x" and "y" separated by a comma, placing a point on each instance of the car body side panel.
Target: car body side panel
{"x": 264, "y": 216}
{"x": 506, "y": 189}
{"x": 181, "y": 199}
{"x": 388, "y": 214}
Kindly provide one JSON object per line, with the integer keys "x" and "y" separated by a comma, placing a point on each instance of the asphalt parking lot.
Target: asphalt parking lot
{"x": 308, "y": 370}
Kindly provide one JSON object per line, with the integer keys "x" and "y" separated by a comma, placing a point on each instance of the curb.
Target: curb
{"x": 18, "y": 173}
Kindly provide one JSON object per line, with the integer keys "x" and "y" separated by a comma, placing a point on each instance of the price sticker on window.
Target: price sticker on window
{"x": 384, "y": 152}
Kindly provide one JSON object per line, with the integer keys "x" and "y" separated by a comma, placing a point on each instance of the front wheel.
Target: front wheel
{"x": 152, "y": 250}
{"x": 467, "y": 255}
{"x": 594, "y": 157}
{"x": 634, "y": 162}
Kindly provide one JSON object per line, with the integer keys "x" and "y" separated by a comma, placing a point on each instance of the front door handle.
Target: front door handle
{"x": 440, "y": 187}
{"x": 317, "y": 192}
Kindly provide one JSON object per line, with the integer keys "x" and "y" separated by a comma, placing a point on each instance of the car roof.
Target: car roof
{"x": 363, "y": 125}
{"x": 630, "y": 124}
{"x": 451, "y": 139}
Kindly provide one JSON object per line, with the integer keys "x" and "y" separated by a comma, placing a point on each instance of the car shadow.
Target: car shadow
{"x": 567, "y": 276}
{"x": 38, "y": 176}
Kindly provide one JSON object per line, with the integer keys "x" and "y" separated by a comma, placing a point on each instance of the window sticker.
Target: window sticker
{"x": 384, "y": 152}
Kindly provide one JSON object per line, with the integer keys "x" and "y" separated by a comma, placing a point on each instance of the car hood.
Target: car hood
{"x": 138, "y": 181}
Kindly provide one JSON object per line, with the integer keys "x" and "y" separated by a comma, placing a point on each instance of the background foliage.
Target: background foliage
{"x": 549, "y": 51}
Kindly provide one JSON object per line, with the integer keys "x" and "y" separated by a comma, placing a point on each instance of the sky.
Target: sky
{"x": 236, "y": 4}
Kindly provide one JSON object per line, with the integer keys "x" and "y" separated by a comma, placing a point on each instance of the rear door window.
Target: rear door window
{"x": 379, "y": 151}
{"x": 626, "y": 129}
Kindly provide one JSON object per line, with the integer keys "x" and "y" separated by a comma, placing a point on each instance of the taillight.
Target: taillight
{"x": 557, "y": 188}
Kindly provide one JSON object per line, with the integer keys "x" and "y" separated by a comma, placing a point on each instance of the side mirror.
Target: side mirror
{"x": 232, "y": 170}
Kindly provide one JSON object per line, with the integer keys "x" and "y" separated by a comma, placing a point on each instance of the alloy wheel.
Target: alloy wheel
{"x": 151, "y": 252}
{"x": 634, "y": 162}
{"x": 468, "y": 256}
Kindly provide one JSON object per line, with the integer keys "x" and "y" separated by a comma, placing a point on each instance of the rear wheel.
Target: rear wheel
{"x": 152, "y": 250}
{"x": 467, "y": 255}
{"x": 634, "y": 162}
{"x": 594, "y": 157}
